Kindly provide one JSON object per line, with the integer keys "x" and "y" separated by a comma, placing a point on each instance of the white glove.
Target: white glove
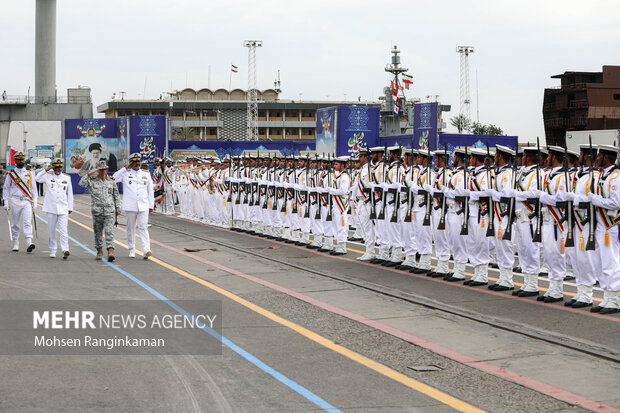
{"x": 511, "y": 192}
{"x": 537, "y": 192}
{"x": 6, "y": 206}
{"x": 568, "y": 196}
{"x": 427, "y": 188}
{"x": 465, "y": 192}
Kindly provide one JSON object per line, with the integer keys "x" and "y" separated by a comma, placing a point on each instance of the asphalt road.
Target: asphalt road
{"x": 295, "y": 340}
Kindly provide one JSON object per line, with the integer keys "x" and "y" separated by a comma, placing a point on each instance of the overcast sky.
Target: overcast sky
{"x": 324, "y": 49}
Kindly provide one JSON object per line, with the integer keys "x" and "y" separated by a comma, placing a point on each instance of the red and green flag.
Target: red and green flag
{"x": 407, "y": 80}
{"x": 234, "y": 68}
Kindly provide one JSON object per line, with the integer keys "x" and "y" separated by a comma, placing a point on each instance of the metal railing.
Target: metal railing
{"x": 23, "y": 99}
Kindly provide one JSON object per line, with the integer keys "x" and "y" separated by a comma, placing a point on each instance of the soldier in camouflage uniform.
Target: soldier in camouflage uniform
{"x": 105, "y": 205}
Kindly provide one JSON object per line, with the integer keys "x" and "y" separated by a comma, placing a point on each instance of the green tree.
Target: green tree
{"x": 461, "y": 123}
{"x": 478, "y": 128}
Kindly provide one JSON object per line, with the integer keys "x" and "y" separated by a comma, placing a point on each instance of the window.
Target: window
{"x": 616, "y": 96}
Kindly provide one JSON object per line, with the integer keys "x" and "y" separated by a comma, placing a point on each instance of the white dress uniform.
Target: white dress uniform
{"x": 339, "y": 191}
{"x": 57, "y": 205}
{"x": 607, "y": 200}
{"x": 423, "y": 233}
{"x": 21, "y": 203}
{"x": 477, "y": 241}
{"x": 315, "y": 205}
{"x": 528, "y": 251}
{"x": 454, "y": 224}
{"x": 137, "y": 200}
{"x": 587, "y": 263}
{"x": 362, "y": 195}
{"x": 379, "y": 170}
{"x": 553, "y": 233}
{"x": 442, "y": 246}
{"x": 408, "y": 232}
{"x": 305, "y": 224}
{"x": 504, "y": 249}
{"x": 394, "y": 230}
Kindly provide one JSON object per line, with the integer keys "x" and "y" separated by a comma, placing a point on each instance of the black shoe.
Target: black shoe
{"x": 516, "y": 269}
{"x": 439, "y": 275}
{"x": 300, "y": 243}
{"x": 280, "y": 239}
{"x": 337, "y": 253}
{"x": 569, "y": 278}
{"x": 324, "y": 250}
{"x": 580, "y": 304}
{"x": 607, "y": 310}
{"x": 467, "y": 282}
{"x": 391, "y": 263}
{"x": 477, "y": 283}
{"x": 290, "y": 241}
{"x": 270, "y": 237}
{"x": 570, "y": 303}
{"x": 454, "y": 279}
{"x": 492, "y": 286}
{"x": 553, "y": 300}
{"x": 404, "y": 267}
{"x": 502, "y": 288}
{"x": 528, "y": 293}
{"x": 447, "y": 277}
{"x": 543, "y": 274}
{"x": 492, "y": 265}
{"x": 596, "y": 309}
{"x": 516, "y": 292}
{"x": 541, "y": 298}
{"x": 312, "y": 247}
{"x": 377, "y": 261}
{"x": 30, "y": 248}
{"x": 420, "y": 271}
{"x": 355, "y": 239}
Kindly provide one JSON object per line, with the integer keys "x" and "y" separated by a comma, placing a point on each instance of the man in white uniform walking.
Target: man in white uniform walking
{"x": 58, "y": 204}
{"x": 20, "y": 190}
{"x": 138, "y": 201}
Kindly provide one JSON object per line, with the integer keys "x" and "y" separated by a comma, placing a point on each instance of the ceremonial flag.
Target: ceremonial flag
{"x": 396, "y": 109}
{"x": 234, "y": 68}
{"x": 407, "y": 80}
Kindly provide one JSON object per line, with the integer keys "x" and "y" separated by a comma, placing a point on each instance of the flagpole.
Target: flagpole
{"x": 230, "y": 79}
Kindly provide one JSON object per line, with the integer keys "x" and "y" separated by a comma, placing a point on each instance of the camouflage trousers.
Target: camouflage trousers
{"x": 104, "y": 224}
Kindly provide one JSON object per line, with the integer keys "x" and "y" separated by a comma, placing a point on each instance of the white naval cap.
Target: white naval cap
{"x": 342, "y": 159}
{"x": 609, "y": 148}
{"x": 504, "y": 149}
{"x": 585, "y": 147}
{"x": 394, "y": 148}
{"x": 478, "y": 152}
{"x": 377, "y": 149}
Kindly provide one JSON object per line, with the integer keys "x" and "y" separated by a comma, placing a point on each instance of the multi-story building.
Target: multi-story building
{"x": 583, "y": 101}
{"x": 222, "y": 114}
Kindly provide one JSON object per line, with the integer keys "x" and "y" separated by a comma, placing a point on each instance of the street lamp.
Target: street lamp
{"x": 24, "y": 132}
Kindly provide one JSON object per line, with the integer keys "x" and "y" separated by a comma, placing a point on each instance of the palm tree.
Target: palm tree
{"x": 461, "y": 123}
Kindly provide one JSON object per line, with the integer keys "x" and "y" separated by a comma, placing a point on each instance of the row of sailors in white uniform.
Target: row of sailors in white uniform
{"x": 400, "y": 242}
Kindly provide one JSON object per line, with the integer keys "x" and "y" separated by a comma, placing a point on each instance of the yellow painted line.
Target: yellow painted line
{"x": 365, "y": 361}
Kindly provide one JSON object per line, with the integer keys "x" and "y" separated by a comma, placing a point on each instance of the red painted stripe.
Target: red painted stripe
{"x": 539, "y": 386}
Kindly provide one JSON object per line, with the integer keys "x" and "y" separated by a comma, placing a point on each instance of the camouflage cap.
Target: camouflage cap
{"x": 102, "y": 165}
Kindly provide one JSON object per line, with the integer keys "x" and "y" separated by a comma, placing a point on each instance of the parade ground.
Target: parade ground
{"x": 304, "y": 331}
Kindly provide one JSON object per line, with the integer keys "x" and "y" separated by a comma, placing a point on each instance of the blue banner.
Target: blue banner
{"x": 357, "y": 129}
{"x": 147, "y": 136}
{"x": 454, "y": 141}
{"x": 179, "y": 150}
{"x": 326, "y": 131}
{"x": 425, "y": 125}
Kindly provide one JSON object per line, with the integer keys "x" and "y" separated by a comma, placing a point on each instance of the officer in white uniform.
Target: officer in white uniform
{"x": 138, "y": 201}
{"x": 58, "y": 204}
{"x": 20, "y": 190}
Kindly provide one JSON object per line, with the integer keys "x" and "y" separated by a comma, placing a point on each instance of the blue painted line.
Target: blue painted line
{"x": 243, "y": 353}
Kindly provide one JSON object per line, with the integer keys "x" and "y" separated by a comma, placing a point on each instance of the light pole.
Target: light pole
{"x": 24, "y": 132}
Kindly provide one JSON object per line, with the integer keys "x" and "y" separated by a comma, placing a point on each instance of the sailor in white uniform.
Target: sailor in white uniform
{"x": 20, "y": 190}
{"x": 138, "y": 201}
{"x": 58, "y": 205}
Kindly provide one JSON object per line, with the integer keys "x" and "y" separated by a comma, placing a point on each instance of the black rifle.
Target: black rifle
{"x": 428, "y": 195}
{"x": 568, "y": 207}
{"x": 371, "y": 191}
{"x": 294, "y": 197}
{"x": 317, "y": 184}
{"x": 490, "y": 203}
{"x": 589, "y": 206}
{"x": 442, "y": 218}
{"x": 537, "y": 236}
{"x": 465, "y": 199}
{"x": 277, "y": 195}
{"x": 510, "y": 211}
{"x": 285, "y": 190}
{"x": 306, "y": 193}
{"x": 329, "y": 185}
{"x": 383, "y": 192}
{"x": 228, "y": 183}
{"x": 408, "y": 216}
{"x": 394, "y": 217}
{"x": 238, "y": 184}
